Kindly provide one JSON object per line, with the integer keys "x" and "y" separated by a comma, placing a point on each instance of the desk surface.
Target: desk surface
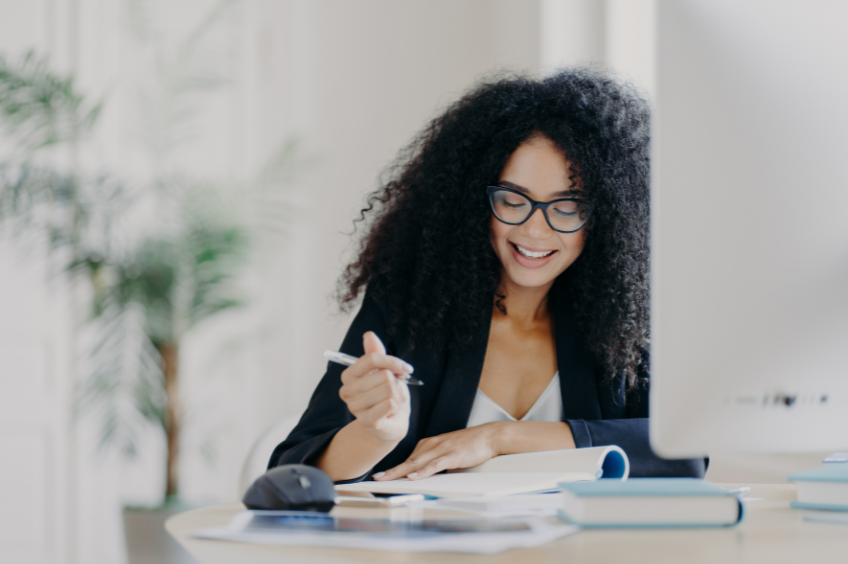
{"x": 771, "y": 533}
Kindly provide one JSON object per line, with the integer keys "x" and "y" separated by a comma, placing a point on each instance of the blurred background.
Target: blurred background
{"x": 178, "y": 183}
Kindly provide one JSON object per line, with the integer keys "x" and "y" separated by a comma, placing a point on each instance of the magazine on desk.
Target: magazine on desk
{"x": 511, "y": 474}
{"x": 304, "y": 528}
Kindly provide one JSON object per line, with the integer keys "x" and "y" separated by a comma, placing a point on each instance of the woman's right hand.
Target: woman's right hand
{"x": 374, "y": 394}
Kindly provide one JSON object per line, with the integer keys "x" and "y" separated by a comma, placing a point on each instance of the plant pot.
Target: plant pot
{"x": 147, "y": 540}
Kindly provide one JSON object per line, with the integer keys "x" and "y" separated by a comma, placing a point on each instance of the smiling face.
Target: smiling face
{"x": 532, "y": 254}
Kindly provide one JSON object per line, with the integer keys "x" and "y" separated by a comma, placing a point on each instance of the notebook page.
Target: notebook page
{"x": 582, "y": 460}
{"x": 472, "y": 484}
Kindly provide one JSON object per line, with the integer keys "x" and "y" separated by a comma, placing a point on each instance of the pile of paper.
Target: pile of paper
{"x": 513, "y": 506}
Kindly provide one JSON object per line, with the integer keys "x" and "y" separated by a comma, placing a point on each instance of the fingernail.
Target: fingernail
{"x": 408, "y": 367}
{"x": 412, "y": 474}
{"x": 379, "y": 475}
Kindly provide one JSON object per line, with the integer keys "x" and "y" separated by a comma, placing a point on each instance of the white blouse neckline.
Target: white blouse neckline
{"x": 548, "y": 407}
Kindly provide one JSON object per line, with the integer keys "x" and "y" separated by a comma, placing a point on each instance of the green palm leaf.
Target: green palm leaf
{"x": 38, "y": 108}
{"x": 123, "y": 389}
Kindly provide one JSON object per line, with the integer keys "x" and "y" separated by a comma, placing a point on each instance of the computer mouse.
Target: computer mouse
{"x": 292, "y": 486}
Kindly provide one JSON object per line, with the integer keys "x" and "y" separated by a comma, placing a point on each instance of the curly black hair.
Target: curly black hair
{"x": 427, "y": 251}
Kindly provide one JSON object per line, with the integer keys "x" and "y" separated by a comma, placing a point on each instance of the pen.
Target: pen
{"x": 347, "y": 360}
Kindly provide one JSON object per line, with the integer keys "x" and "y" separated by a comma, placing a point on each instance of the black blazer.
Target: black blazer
{"x": 595, "y": 410}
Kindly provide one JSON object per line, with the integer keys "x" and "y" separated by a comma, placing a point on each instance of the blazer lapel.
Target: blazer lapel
{"x": 459, "y": 386}
{"x": 578, "y": 382}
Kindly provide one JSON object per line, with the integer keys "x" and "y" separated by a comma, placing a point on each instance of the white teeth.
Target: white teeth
{"x": 531, "y": 254}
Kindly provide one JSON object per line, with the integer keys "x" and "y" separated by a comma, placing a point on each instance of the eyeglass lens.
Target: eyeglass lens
{"x": 563, "y": 215}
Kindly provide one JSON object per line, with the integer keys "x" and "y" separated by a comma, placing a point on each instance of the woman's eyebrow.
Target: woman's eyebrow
{"x": 523, "y": 190}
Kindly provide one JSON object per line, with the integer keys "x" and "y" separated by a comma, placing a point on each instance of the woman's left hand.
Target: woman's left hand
{"x": 460, "y": 449}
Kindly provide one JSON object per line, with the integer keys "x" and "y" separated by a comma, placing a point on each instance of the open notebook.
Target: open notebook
{"x": 512, "y": 474}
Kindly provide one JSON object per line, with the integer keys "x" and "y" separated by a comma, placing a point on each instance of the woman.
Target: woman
{"x": 507, "y": 261}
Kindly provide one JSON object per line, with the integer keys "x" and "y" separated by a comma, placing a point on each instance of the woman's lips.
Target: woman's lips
{"x": 528, "y": 262}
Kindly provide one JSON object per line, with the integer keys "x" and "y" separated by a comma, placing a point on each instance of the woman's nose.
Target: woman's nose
{"x": 537, "y": 227}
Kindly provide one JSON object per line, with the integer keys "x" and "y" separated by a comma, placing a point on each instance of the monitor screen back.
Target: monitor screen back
{"x": 750, "y": 227}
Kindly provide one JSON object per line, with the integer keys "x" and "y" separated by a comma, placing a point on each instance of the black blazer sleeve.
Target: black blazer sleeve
{"x": 629, "y": 430}
{"x": 326, "y": 413}
{"x": 632, "y": 436}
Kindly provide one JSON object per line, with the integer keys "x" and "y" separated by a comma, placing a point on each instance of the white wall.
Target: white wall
{"x": 36, "y": 438}
{"x": 617, "y": 35}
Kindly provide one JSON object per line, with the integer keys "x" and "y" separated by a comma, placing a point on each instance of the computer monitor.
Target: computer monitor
{"x": 749, "y": 316}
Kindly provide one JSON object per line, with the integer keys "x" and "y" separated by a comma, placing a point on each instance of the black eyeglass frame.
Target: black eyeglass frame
{"x": 490, "y": 191}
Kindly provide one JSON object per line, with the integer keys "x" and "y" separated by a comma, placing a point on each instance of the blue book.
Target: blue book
{"x": 649, "y": 502}
{"x": 822, "y": 488}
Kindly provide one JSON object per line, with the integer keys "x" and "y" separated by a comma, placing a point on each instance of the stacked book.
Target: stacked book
{"x": 822, "y": 488}
{"x": 650, "y": 502}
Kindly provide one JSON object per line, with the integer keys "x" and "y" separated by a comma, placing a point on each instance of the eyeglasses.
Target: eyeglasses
{"x": 514, "y": 208}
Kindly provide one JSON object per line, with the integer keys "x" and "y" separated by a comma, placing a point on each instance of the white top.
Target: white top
{"x": 548, "y": 407}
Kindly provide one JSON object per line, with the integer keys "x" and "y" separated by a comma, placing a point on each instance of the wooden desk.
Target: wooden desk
{"x": 771, "y": 533}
